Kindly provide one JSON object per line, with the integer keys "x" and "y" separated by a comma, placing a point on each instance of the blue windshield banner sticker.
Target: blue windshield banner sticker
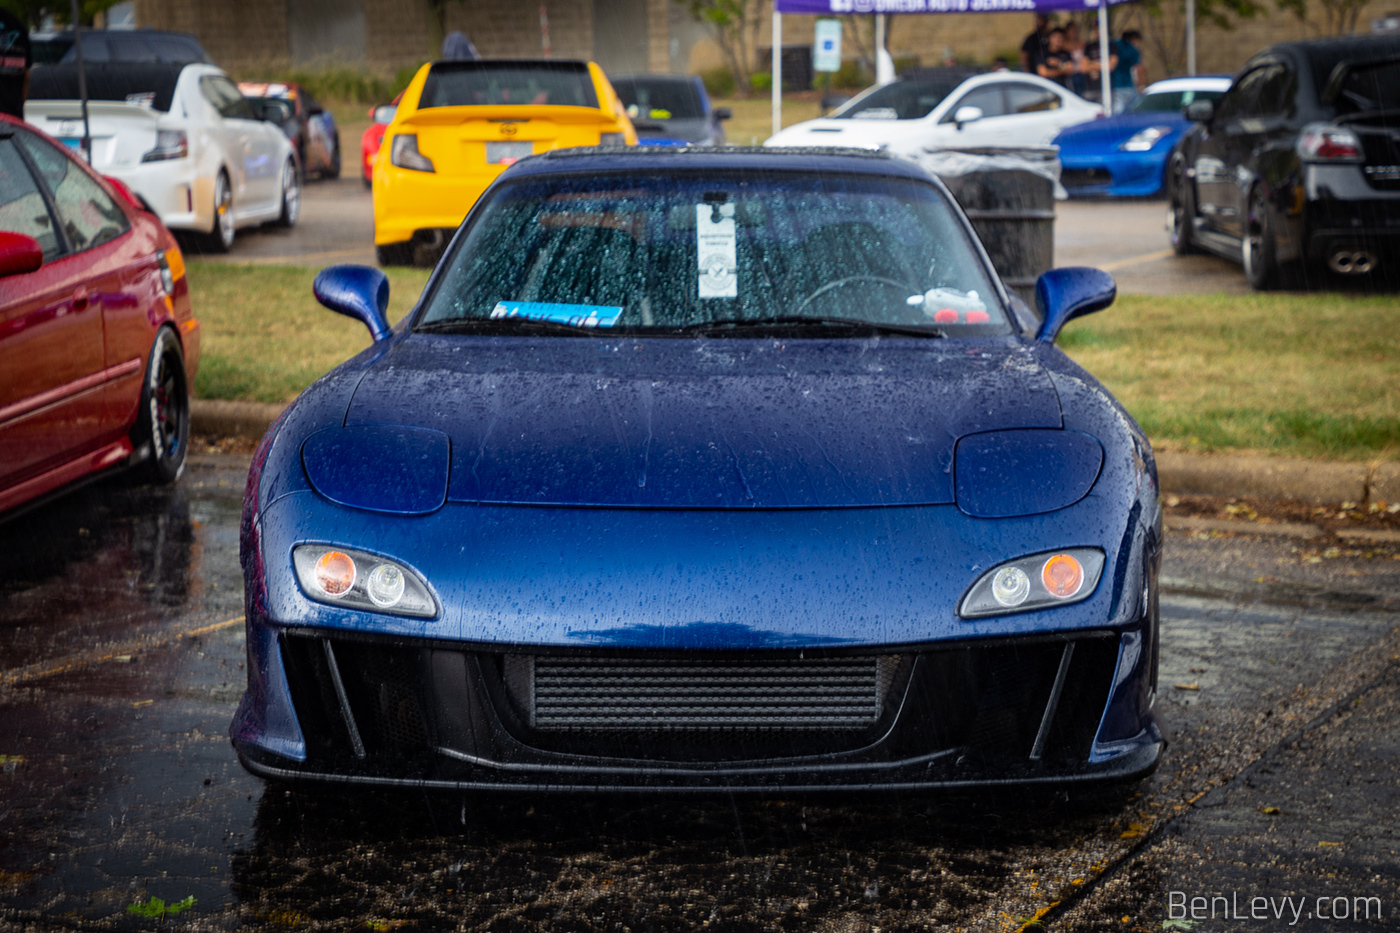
{"x": 575, "y": 315}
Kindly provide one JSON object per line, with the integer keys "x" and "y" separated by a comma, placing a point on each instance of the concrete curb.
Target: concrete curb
{"x": 1181, "y": 473}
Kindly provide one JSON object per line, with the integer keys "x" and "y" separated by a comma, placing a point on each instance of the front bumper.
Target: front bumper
{"x": 414, "y": 712}
{"x": 1114, "y": 174}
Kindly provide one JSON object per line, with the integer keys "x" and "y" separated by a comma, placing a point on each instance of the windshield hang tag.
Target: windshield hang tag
{"x": 717, "y": 266}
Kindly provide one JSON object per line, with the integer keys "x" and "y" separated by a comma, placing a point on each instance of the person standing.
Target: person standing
{"x": 1123, "y": 79}
{"x": 1033, "y": 48}
{"x": 1056, "y": 65}
{"x": 1074, "y": 48}
{"x": 15, "y": 60}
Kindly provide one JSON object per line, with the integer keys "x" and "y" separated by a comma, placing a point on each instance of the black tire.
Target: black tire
{"x": 333, "y": 170}
{"x": 162, "y": 428}
{"x": 394, "y": 254}
{"x": 291, "y": 196}
{"x": 1181, "y": 210}
{"x": 1258, "y": 248}
{"x": 220, "y": 237}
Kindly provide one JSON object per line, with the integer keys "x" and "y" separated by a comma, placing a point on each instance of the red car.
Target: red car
{"x": 373, "y": 137}
{"x": 98, "y": 347}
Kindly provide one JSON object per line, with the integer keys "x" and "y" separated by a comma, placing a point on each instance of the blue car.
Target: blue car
{"x": 671, "y": 110}
{"x": 705, "y": 469}
{"x": 1126, "y": 155}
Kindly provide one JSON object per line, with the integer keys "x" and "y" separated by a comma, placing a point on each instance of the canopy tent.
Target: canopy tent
{"x": 880, "y": 8}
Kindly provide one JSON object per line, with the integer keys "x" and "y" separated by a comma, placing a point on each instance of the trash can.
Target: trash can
{"x": 1009, "y": 195}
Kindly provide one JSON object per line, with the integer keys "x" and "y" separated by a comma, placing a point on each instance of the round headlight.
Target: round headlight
{"x": 385, "y": 585}
{"x": 1011, "y": 586}
{"x": 335, "y": 573}
{"x": 1062, "y": 576}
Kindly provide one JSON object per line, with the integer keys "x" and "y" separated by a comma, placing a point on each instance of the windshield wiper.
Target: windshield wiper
{"x": 507, "y": 325}
{"x": 787, "y": 320}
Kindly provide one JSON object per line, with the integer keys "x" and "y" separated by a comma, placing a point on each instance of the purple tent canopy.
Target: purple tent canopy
{"x": 840, "y": 7}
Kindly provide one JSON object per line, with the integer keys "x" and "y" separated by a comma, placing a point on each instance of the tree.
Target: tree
{"x": 1339, "y": 17}
{"x": 34, "y": 12}
{"x": 734, "y": 25}
{"x": 1167, "y": 37}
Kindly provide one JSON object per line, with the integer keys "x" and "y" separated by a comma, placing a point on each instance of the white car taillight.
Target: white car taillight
{"x": 170, "y": 144}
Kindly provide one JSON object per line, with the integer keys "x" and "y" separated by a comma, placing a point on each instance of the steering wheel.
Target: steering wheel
{"x": 904, "y": 287}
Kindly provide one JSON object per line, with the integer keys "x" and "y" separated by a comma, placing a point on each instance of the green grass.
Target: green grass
{"x": 1302, "y": 375}
{"x": 1298, "y": 375}
{"x": 264, "y": 337}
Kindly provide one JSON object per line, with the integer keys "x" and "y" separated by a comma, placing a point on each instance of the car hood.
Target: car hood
{"x": 703, "y": 423}
{"x": 1113, "y": 130}
{"x": 860, "y": 134}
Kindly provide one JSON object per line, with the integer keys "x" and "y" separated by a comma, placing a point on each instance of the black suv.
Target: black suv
{"x": 117, "y": 45}
{"x": 1297, "y": 167}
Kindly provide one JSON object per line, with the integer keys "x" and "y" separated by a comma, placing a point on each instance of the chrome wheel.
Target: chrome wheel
{"x": 163, "y": 426}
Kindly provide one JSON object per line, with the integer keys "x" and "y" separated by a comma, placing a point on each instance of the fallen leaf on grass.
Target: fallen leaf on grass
{"x": 1191, "y": 686}
{"x": 1270, "y": 811}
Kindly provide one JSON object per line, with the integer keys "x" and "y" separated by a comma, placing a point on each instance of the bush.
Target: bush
{"x": 761, "y": 81}
{"x": 719, "y": 82}
{"x": 851, "y": 76}
{"x": 341, "y": 83}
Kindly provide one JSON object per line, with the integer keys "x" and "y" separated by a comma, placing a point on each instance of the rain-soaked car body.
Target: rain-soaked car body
{"x": 705, "y": 470}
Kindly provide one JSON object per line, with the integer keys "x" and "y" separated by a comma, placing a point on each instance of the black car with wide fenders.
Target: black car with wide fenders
{"x": 1296, "y": 170}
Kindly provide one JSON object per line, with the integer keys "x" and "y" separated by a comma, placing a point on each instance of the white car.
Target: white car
{"x": 180, "y": 136}
{"x": 1002, "y": 108}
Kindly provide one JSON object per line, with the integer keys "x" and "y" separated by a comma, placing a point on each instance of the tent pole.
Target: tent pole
{"x": 1105, "y": 75}
{"x": 879, "y": 45}
{"x": 1191, "y": 37}
{"x": 777, "y": 70}
{"x": 86, "y": 145}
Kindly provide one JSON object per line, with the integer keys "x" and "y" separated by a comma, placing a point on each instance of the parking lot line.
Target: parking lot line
{"x": 1135, "y": 260}
{"x": 124, "y": 653}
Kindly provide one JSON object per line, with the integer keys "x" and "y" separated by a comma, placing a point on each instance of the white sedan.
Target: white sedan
{"x": 182, "y": 137}
{"x": 914, "y": 114}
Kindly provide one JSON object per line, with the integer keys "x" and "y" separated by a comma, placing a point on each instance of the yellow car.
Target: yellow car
{"x": 458, "y": 126}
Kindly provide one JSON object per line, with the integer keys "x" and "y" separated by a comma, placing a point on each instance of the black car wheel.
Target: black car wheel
{"x": 163, "y": 421}
{"x": 394, "y": 254}
{"x": 291, "y": 196}
{"x": 333, "y": 170}
{"x": 1181, "y": 210}
{"x": 1258, "y": 248}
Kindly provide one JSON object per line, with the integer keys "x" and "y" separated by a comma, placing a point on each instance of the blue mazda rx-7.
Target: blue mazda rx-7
{"x": 706, "y": 470}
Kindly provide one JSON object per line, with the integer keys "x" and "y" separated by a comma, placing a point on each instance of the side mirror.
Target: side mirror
{"x": 967, "y": 115}
{"x": 1068, "y": 293}
{"x": 723, "y": 113}
{"x": 1199, "y": 111}
{"x": 19, "y": 254}
{"x": 384, "y": 113}
{"x": 359, "y": 292}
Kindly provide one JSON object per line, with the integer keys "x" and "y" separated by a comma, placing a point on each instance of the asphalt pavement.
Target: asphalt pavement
{"x": 121, "y": 662}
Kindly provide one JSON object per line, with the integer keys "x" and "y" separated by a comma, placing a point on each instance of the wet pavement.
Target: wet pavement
{"x": 121, "y": 662}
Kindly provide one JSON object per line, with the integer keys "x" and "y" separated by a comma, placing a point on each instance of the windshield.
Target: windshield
{"x": 902, "y": 100}
{"x": 659, "y": 100}
{"x": 1170, "y": 101}
{"x": 476, "y": 84}
{"x": 678, "y": 251}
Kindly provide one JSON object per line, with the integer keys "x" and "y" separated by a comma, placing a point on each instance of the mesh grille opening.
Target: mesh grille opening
{"x": 657, "y": 695}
